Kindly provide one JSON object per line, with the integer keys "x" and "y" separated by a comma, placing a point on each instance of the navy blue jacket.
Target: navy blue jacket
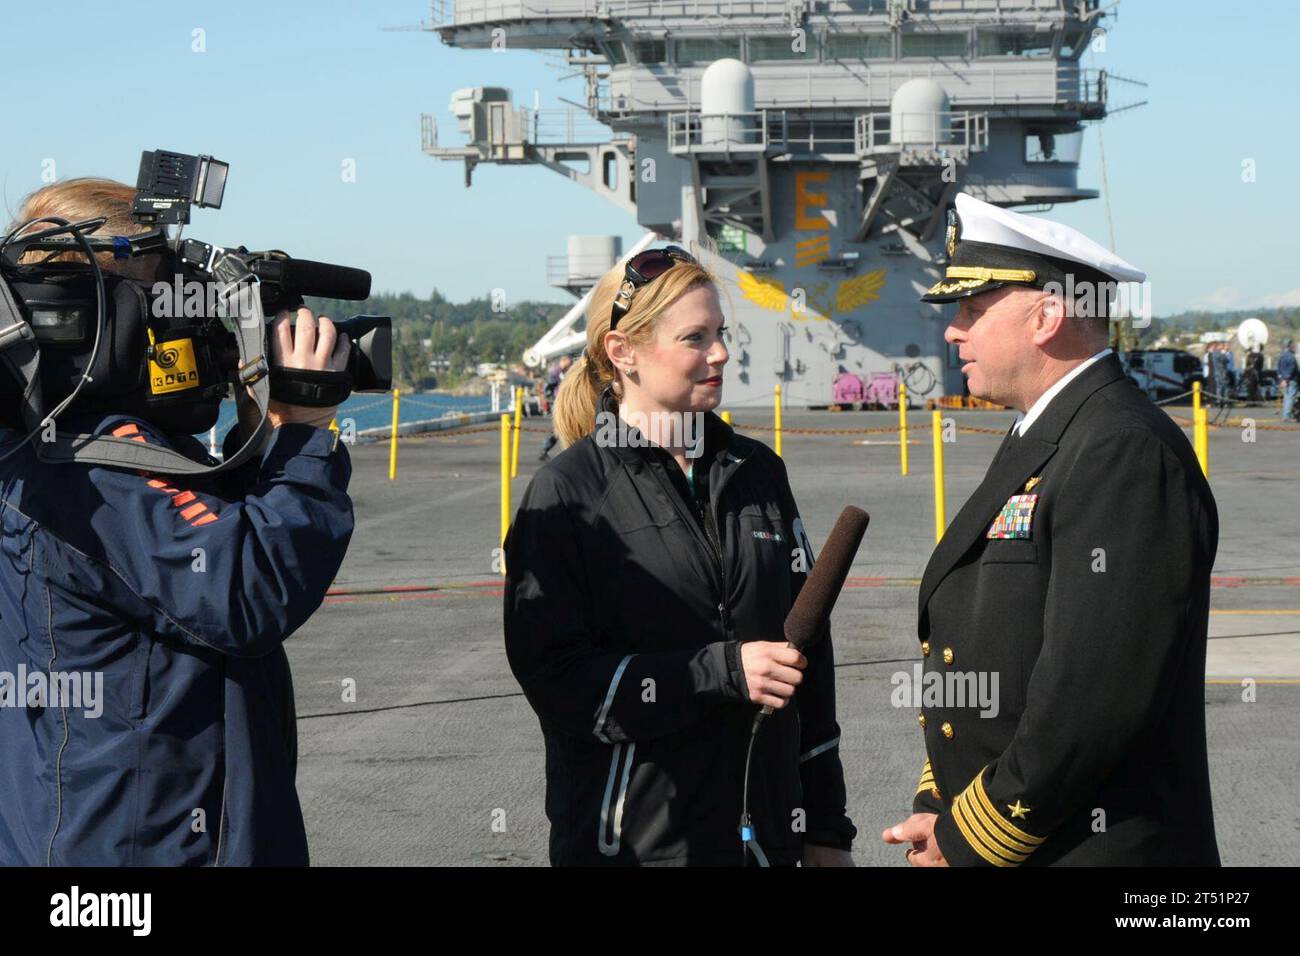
{"x": 1286, "y": 365}
{"x": 176, "y": 596}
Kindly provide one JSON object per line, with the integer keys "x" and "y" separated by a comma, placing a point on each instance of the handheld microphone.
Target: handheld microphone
{"x": 807, "y": 620}
{"x": 808, "y": 617}
{"x": 804, "y": 627}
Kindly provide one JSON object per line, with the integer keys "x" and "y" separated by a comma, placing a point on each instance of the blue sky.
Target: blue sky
{"x": 287, "y": 92}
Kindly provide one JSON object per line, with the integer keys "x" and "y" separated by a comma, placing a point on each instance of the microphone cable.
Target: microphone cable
{"x": 748, "y": 839}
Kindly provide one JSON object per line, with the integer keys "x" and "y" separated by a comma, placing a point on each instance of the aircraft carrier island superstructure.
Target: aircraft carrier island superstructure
{"x": 814, "y": 144}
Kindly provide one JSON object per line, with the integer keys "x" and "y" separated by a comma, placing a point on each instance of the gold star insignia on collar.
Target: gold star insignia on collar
{"x": 1032, "y": 483}
{"x": 1018, "y": 812}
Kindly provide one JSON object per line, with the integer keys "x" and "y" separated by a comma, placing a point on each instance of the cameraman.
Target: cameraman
{"x": 167, "y": 602}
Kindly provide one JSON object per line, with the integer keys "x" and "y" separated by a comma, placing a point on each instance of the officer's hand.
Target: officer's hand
{"x": 825, "y": 856}
{"x": 310, "y": 343}
{"x": 918, "y": 829}
{"x": 772, "y": 671}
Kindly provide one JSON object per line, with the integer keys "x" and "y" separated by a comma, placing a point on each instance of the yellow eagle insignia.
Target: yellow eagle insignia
{"x": 769, "y": 293}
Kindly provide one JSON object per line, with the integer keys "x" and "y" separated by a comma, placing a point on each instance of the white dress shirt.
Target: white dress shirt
{"x": 1027, "y": 419}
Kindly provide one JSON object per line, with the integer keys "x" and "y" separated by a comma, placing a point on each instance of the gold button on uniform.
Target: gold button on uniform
{"x": 947, "y": 655}
{"x": 947, "y": 729}
{"x": 925, "y": 648}
{"x": 934, "y": 792}
{"x": 920, "y": 719}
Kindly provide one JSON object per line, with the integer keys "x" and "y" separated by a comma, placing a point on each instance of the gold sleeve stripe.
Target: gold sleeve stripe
{"x": 926, "y": 783}
{"x": 959, "y": 817}
{"x": 1008, "y": 846}
{"x": 1007, "y": 827}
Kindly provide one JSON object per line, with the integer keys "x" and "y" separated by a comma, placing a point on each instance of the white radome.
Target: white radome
{"x": 1252, "y": 333}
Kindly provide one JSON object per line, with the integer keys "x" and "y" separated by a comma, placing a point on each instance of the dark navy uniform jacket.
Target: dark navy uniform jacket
{"x": 1078, "y": 573}
{"x": 177, "y": 595}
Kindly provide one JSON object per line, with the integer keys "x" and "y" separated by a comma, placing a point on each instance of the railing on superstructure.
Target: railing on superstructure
{"x": 1051, "y": 83}
{"x": 564, "y": 270}
{"x": 755, "y": 132}
{"x": 548, "y": 127}
{"x": 946, "y": 131}
{"x": 463, "y": 12}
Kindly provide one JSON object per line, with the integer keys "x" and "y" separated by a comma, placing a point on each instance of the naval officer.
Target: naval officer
{"x": 1078, "y": 573}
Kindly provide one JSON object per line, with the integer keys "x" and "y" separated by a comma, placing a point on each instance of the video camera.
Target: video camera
{"x": 76, "y": 339}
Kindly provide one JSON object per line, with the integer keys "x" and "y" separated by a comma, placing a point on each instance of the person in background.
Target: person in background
{"x": 553, "y": 378}
{"x": 1288, "y": 377}
{"x": 1254, "y": 369}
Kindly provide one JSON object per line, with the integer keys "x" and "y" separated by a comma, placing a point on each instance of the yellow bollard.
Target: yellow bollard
{"x": 778, "y": 419}
{"x": 1203, "y": 427}
{"x": 392, "y": 442}
{"x": 1201, "y": 439}
{"x": 902, "y": 425}
{"x": 1196, "y": 399}
{"x": 505, "y": 482}
{"x": 726, "y": 417}
{"x": 1196, "y": 436}
{"x": 519, "y": 410}
{"x": 940, "y": 521}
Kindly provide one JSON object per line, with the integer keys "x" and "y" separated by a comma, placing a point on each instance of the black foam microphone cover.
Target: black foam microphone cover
{"x": 807, "y": 620}
{"x": 325, "y": 280}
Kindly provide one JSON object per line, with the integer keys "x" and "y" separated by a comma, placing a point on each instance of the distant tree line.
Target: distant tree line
{"x": 439, "y": 343}
{"x": 1283, "y": 323}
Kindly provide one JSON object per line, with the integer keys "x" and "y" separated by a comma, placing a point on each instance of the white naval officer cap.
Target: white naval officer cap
{"x": 989, "y": 247}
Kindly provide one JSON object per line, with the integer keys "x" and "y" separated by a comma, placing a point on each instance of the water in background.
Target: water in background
{"x": 376, "y": 410}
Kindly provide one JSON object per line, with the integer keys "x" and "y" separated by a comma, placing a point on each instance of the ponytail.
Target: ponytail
{"x": 575, "y": 402}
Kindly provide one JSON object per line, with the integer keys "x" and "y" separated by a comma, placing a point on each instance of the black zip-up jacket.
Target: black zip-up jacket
{"x": 624, "y": 613}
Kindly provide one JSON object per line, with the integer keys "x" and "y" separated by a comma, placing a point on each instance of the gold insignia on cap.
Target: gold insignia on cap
{"x": 944, "y": 288}
{"x": 1018, "y": 812}
{"x": 1032, "y": 483}
{"x": 985, "y": 274}
{"x": 950, "y": 242}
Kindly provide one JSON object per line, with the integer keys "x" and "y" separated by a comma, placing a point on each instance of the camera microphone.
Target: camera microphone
{"x": 322, "y": 279}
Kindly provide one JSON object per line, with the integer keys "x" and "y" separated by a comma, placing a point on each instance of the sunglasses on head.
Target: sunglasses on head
{"x": 642, "y": 268}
